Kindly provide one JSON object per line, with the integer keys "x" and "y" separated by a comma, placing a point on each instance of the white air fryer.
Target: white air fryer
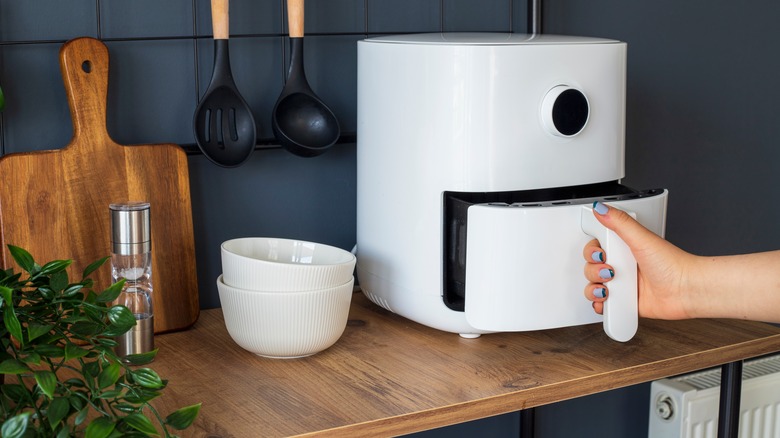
{"x": 479, "y": 158}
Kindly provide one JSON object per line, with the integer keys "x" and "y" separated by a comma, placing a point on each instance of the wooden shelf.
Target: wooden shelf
{"x": 389, "y": 376}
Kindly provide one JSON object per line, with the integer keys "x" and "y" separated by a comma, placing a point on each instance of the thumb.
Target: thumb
{"x": 626, "y": 227}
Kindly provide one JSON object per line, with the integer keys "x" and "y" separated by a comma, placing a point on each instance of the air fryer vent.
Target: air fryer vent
{"x": 379, "y": 301}
{"x": 751, "y": 369}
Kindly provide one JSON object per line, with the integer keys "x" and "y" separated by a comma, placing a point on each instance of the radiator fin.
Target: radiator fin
{"x": 687, "y": 406}
{"x": 705, "y": 429}
{"x": 751, "y": 369}
{"x": 760, "y": 422}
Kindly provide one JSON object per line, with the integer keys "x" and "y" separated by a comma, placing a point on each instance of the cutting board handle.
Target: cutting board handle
{"x": 84, "y": 66}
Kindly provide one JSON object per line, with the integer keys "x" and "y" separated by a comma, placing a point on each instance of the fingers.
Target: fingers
{"x": 597, "y": 293}
{"x": 626, "y": 227}
{"x": 598, "y": 272}
{"x": 593, "y": 252}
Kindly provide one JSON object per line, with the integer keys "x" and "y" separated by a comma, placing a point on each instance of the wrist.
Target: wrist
{"x": 704, "y": 280}
{"x": 692, "y": 291}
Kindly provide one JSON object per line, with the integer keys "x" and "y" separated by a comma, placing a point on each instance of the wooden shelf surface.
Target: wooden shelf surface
{"x": 388, "y": 376}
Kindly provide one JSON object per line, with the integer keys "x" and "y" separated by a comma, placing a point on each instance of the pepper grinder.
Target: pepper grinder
{"x": 131, "y": 260}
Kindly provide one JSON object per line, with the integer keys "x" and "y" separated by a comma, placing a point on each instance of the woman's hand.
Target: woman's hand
{"x": 661, "y": 267}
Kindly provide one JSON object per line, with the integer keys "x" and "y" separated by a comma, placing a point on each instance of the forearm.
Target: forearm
{"x": 742, "y": 286}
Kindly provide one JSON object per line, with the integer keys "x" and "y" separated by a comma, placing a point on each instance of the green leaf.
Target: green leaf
{"x": 75, "y": 382}
{"x": 110, "y": 394}
{"x": 147, "y": 378}
{"x": 72, "y": 290}
{"x": 94, "y": 266}
{"x": 109, "y": 375}
{"x": 7, "y": 294}
{"x": 121, "y": 316}
{"x": 12, "y": 323}
{"x": 94, "y": 313}
{"x": 73, "y": 351}
{"x": 141, "y": 395}
{"x": 107, "y": 342}
{"x": 74, "y": 318}
{"x": 77, "y": 402}
{"x": 35, "y": 269}
{"x": 91, "y": 298}
{"x": 55, "y": 266}
{"x": 8, "y": 277}
{"x": 86, "y": 328}
{"x": 13, "y": 366}
{"x": 183, "y": 418}
{"x": 91, "y": 369}
{"x": 15, "y": 392}
{"x": 127, "y": 408}
{"x": 22, "y": 257}
{"x": 111, "y": 293}
{"x": 36, "y": 330}
{"x": 141, "y": 358}
{"x": 49, "y": 350}
{"x": 115, "y": 331}
{"x": 140, "y": 423}
{"x": 46, "y": 292}
{"x": 15, "y": 426}
{"x": 59, "y": 280}
{"x": 47, "y": 381}
{"x": 100, "y": 428}
{"x": 81, "y": 416}
{"x": 31, "y": 358}
{"x": 63, "y": 433}
{"x": 58, "y": 410}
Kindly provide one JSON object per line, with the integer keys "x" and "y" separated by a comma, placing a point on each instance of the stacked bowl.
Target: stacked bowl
{"x": 285, "y": 298}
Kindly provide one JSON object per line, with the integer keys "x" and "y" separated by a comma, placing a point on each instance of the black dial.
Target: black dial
{"x": 565, "y": 111}
{"x": 570, "y": 112}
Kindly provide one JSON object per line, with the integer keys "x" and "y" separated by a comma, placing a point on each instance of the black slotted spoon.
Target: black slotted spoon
{"x": 225, "y": 129}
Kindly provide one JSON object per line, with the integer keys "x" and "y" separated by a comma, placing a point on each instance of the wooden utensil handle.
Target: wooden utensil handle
{"x": 220, "y": 19}
{"x": 84, "y": 66}
{"x": 295, "y": 18}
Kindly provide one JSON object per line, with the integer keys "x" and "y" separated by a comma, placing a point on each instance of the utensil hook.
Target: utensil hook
{"x": 534, "y": 17}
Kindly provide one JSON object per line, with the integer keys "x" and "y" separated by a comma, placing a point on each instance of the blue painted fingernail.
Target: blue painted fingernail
{"x": 606, "y": 273}
{"x": 599, "y": 292}
{"x": 600, "y": 208}
{"x": 597, "y": 256}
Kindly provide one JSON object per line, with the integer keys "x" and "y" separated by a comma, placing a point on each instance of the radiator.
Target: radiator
{"x": 687, "y": 406}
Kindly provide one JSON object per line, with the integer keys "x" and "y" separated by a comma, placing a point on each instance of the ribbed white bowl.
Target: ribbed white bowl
{"x": 284, "y": 265}
{"x": 285, "y": 325}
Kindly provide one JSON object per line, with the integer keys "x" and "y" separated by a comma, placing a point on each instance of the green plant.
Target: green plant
{"x": 61, "y": 376}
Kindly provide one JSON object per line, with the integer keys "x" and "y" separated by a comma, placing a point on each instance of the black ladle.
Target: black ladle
{"x": 301, "y": 122}
{"x": 224, "y": 125}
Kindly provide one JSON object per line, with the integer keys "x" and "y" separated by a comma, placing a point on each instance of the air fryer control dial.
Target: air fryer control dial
{"x": 565, "y": 111}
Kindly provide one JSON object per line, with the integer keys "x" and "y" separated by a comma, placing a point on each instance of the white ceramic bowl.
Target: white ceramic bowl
{"x": 285, "y": 325}
{"x": 284, "y": 265}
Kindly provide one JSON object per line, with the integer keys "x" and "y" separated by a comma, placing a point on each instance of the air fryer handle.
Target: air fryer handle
{"x": 621, "y": 312}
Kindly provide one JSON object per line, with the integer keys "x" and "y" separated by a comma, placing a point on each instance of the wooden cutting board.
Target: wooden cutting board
{"x": 55, "y": 203}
